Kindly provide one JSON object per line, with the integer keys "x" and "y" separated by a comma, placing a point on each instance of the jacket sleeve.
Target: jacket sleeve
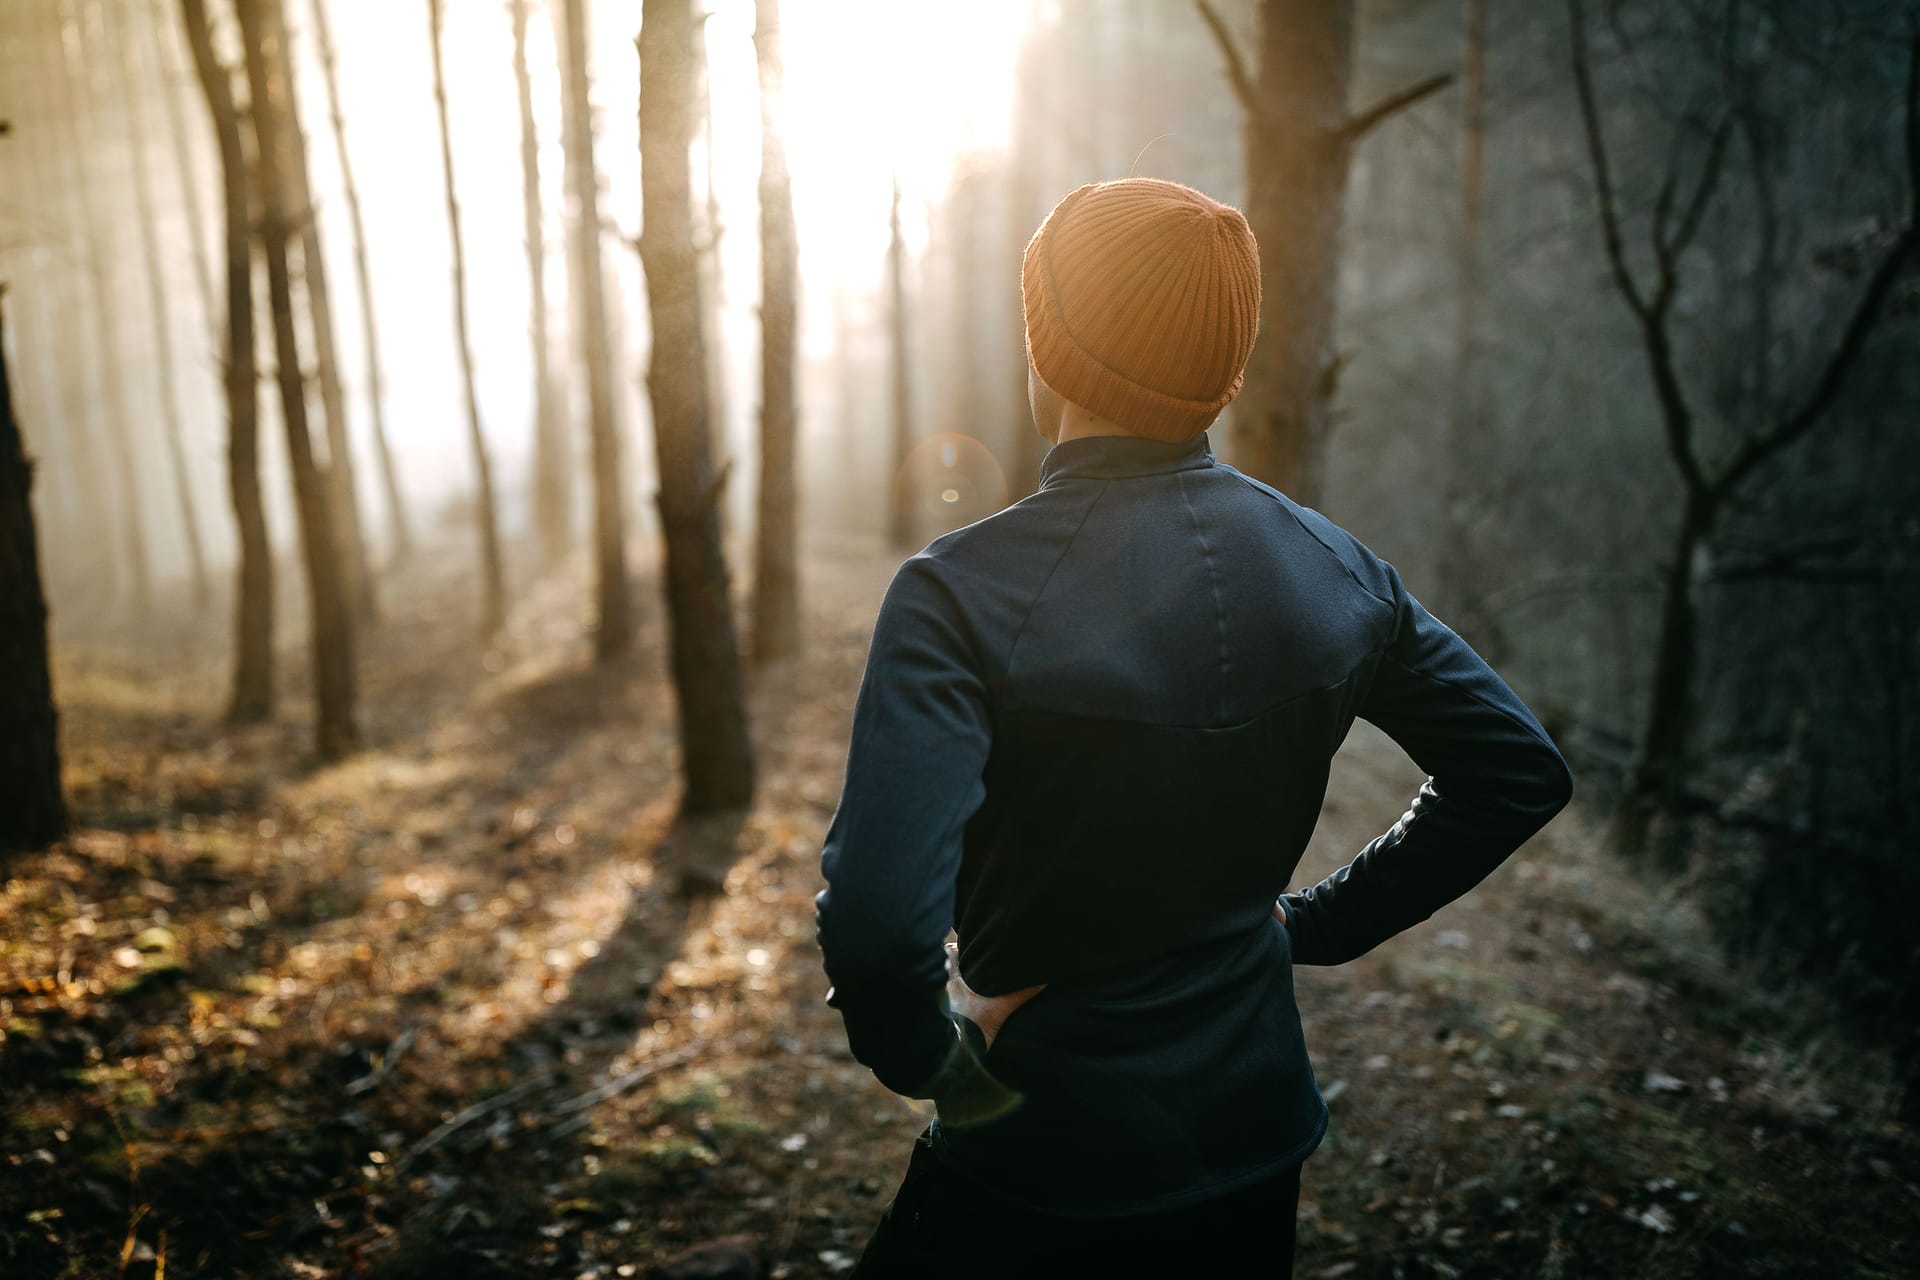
{"x": 921, "y": 729}
{"x": 1494, "y": 778}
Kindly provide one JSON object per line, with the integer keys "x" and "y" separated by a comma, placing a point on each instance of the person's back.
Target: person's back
{"x": 1094, "y": 737}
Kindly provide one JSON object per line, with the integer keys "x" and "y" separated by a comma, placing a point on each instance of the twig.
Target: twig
{"x": 485, "y": 1107}
{"x": 401, "y": 1043}
{"x": 621, "y": 1083}
{"x": 1361, "y": 123}
{"x": 1237, "y": 75}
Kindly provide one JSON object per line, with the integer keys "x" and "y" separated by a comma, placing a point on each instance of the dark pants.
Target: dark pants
{"x": 942, "y": 1223}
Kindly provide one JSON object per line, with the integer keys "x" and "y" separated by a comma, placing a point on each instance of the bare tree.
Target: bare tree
{"x": 100, "y": 262}
{"x": 252, "y": 695}
{"x": 401, "y": 531}
{"x": 900, "y": 528}
{"x": 1709, "y": 487}
{"x": 33, "y": 812}
{"x": 1300, "y": 136}
{"x": 161, "y": 51}
{"x": 776, "y": 578}
{"x": 614, "y": 631}
{"x": 552, "y": 500}
{"x": 160, "y": 325}
{"x": 717, "y": 755}
{"x": 263, "y": 32}
{"x": 494, "y": 606}
{"x": 343, "y": 493}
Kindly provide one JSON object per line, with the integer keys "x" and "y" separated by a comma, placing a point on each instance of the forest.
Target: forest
{"x": 452, "y": 453}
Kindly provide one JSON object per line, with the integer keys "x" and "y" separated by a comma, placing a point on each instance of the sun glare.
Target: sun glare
{"x": 876, "y": 90}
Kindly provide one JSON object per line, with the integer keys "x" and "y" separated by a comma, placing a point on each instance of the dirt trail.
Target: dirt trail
{"x": 445, "y": 1009}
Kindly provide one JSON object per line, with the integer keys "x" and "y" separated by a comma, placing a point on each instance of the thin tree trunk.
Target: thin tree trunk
{"x": 776, "y": 578}
{"x": 1465, "y": 419}
{"x": 1296, "y": 180}
{"x": 159, "y": 322}
{"x": 710, "y": 286}
{"x": 400, "y": 529}
{"x": 900, "y": 511}
{"x": 614, "y": 631}
{"x": 73, "y": 550}
{"x": 32, "y": 810}
{"x": 551, "y": 497}
{"x": 343, "y": 493}
{"x": 167, "y": 72}
{"x": 106, "y": 328}
{"x": 1660, "y": 768}
{"x": 252, "y": 697}
{"x": 263, "y": 32}
{"x": 717, "y": 755}
{"x": 1299, "y": 141}
{"x": 494, "y": 608}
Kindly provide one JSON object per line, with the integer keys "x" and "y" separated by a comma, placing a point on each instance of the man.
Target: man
{"x": 1093, "y": 737}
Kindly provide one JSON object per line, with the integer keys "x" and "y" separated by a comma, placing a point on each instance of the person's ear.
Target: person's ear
{"x": 1046, "y": 407}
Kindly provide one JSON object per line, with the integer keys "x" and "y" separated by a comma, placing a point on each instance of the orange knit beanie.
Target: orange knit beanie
{"x": 1142, "y": 298}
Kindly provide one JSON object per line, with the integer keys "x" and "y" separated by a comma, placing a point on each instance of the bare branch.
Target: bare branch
{"x": 1676, "y": 415}
{"x": 1866, "y": 311}
{"x": 1602, "y": 176}
{"x": 1361, "y": 123}
{"x": 1237, "y": 74}
{"x": 1710, "y": 171}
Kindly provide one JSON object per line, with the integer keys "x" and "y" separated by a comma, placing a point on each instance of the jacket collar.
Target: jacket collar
{"x": 1117, "y": 457}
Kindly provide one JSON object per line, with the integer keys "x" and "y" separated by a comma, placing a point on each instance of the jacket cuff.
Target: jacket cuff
{"x": 964, "y": 1091}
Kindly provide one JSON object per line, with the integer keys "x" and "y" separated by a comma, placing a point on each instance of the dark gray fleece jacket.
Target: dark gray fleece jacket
{"x": 1093, "y": 738}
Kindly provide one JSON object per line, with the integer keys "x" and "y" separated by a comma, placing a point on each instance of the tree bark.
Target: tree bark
{"x": 1299, "y": 141}
{"x": 900, "y": 524}
{"x": 400, "y": 527}
{"x": 99, "y": 272}
{"x": 342, "y": 493}
{"x": 252, "y": 695}
{"x": 776, "y": 578}
{"x": 717, "y": 756}
{"x": 159, "y": 322}
{"x": 552, "y": 500}
{"x": 263, "y": 31}
{"x": 614, "y": 631}
{"x": 32, "y": 811}
{"x": 494, "y": 606}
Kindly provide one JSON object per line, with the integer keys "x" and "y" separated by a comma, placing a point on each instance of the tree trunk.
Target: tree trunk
{"x": 106, "y": 328}
{"x": 717, "y": 755}
{"x": 776, "y": 578}
{"x": 552, "y": 501}
{"x": 494, "y": 608}
{"x": 32, "y": 812}
{"x": 1466, "y": 426}
{"x": 614, "y": 632}
{"x": 1660, "y": 770}
{"x": 400, "y": 529}
{"x": 159, "y": 322}
{"x": 900, "y": 507}
{"x": 1296, "y": 187}
{"x": 711, "y": 282}
{"x": 342, "y": 493}
{"x": 166, "y": 71}
{"x": 263, "y": 31}
{"x": 252, "y": 699}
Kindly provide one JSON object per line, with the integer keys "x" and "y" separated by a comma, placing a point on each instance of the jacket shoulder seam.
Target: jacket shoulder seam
{"x": 1287, "y": 506}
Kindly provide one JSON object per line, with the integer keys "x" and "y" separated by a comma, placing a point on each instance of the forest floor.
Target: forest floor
{"x": 448, "y": 1008}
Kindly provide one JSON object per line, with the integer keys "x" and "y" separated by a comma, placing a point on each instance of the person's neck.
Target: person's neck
{"x": 1076, "y": 423}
